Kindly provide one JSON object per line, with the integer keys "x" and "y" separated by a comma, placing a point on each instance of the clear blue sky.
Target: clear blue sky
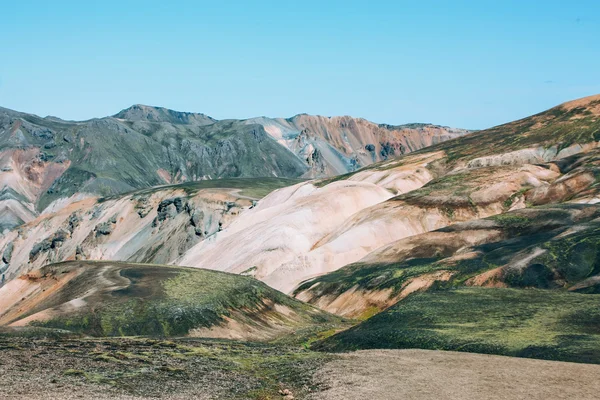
{"x": 469, "y": 64}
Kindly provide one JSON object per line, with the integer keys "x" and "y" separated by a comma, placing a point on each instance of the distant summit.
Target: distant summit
{"x": 139, "y": 112}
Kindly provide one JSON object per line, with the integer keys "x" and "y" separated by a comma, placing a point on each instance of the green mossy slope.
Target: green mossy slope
{"x": 121, "y": 299}
{"x": 546, "y": 324}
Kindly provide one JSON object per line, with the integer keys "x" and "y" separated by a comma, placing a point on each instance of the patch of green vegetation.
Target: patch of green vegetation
{"x": 512, "y": 221}
{"x": 449, "y": 211}
{"x": 369, "y": 277}
{"x": 219, "y": 368}
{"x": 250, "y": 271}
{"x": 545, "y": 324}
{"x": 510, "y": 200}
{"x": 449, "y": 192}
{"x": 368, "y": 313}
{"x": 573, "y": 257}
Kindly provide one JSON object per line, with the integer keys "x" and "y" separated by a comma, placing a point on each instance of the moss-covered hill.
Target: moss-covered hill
{"x": 547, "y": 324}
{"x": 120, "y": 299}
{"x": 576, "y": 122}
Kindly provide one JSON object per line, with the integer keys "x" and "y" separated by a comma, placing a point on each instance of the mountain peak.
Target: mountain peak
{"x": 141, "y": 112}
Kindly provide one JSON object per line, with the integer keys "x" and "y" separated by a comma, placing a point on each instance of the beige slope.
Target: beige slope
{"x": 128, "y": 228}
{"x": 279, "y": 241}
{"x": 286, "y": 224}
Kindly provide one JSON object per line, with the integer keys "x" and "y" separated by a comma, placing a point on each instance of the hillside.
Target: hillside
{"x": 516, "y": 214}
{"x": 546, "y": 247}
{"x": 514, "y": 322}
{"x": 502, "y": 252}
{"x": 120, "y": 299}
{"x": 486, "y": 248}
{"x": 315, "y": 227}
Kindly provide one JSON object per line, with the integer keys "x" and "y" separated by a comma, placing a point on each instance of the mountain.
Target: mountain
{"x": 50, "y": 162}
{"x": 437, "y": 249}
{"x": 337, "y": 145}
{"x": 320, "y": 226}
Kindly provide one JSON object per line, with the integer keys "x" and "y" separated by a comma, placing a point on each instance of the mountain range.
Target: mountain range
{"x": 48, "y": 162}
{"x": 324, "y": 234}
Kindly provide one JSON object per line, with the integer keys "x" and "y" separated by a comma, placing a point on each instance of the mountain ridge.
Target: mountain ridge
{"x": 501, "y": 224}
{"x": 49, "y": 160}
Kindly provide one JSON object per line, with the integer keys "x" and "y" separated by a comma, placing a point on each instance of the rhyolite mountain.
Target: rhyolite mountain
{"x": 312, "y": 228}
{"x": 317, "y": 227}
{"x": 154, "y": 225}
{"x": 487, "y": 242}
{"x": 51, "y": 162}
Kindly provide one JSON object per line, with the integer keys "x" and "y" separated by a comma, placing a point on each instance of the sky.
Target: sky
{"x": 468, "y": 64}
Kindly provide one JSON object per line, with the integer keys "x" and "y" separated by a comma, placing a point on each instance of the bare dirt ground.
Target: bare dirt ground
{"x": 425, "y": 374}
{"x": 138, "y": 368}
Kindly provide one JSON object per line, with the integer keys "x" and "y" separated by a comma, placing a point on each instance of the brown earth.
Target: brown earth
{"x": 144, "y": 368}
{"x": 426, "y": 374}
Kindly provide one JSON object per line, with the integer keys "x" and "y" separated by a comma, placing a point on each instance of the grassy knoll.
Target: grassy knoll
{"x": 546, "y": 324}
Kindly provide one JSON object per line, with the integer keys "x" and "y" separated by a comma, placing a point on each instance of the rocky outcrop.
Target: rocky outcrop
{"x": 156, "y": 225}
{"x": 53, "y": 242}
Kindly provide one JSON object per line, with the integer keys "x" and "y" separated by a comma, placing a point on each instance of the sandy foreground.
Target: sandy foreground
{"x": 425, "y": 374}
